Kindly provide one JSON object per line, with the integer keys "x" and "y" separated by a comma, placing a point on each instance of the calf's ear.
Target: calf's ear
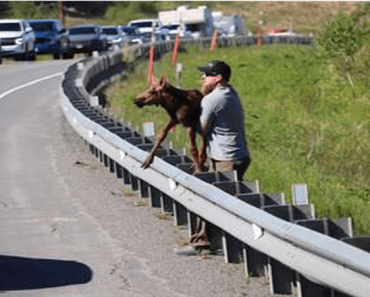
{"x": 152, "y": 81}
{"x": 163, "y": 81}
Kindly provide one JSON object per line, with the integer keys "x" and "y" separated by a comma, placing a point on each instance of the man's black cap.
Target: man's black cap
{"x": 217, "y": 68}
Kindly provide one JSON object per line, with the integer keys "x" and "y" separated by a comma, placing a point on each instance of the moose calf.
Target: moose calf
{"x": 183, "y": 106}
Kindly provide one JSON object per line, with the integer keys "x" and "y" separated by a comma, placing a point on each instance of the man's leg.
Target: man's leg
{"x": 241, "y": 167}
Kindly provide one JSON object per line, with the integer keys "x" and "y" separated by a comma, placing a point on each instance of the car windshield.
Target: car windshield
{"x": 143, "y": 24}
{"x": 193, "y": 27}
{"x": 82, "y": 30}
{"x": 110, "y": 31}
{"x": 10, "y": 27}
{"x": 43, "y": 26}
{"x": 129, "y": 31}
{"x": 173, "y": 27}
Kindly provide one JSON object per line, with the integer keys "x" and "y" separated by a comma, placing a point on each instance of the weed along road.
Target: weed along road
{"x": 70, "y": 228}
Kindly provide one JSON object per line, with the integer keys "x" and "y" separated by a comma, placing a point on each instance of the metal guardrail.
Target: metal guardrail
{"x": 296, "y": 250}
{"x": 142, "y": 50}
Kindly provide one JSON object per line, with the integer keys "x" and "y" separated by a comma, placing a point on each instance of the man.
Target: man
{"x": 222, "y": 123}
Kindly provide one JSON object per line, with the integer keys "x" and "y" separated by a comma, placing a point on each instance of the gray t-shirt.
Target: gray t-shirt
{"x": 225, "y": 137}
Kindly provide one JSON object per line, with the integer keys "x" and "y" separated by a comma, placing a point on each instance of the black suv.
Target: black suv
{"x": 82, "y": 39}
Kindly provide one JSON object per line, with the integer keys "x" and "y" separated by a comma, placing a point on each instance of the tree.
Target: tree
{"x": 343, "y": 36}
{"x": 32, "y": 10}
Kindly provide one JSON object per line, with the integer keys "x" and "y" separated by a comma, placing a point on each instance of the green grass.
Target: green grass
{"x": 305, "y": 123}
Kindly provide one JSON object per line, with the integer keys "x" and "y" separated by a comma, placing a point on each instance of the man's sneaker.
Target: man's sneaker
{"x": 186, "y": 250}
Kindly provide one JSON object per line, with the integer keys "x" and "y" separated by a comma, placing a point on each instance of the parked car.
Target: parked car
{"x": 114, "y": 36}
{"x": 82, "y": 39}
{"x": 176, "y": 28}
{"x": 132, "y": 35}
{"x": 146, "y": 28}
{"x": 48, "y": 33}
{"x": 18, "y": 39}
{"x": 281, "y": 32}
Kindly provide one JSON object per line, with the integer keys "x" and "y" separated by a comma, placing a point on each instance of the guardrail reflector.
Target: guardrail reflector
{"x": 257, "y": 231}
{"x": 148, "y": 129}
{"x": 300, "y": 194}
{"x": 122, "y": 155}
{"x": 172, "y": 183}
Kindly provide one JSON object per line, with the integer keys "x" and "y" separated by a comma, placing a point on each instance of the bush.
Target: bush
{"x": 341, "y": 36}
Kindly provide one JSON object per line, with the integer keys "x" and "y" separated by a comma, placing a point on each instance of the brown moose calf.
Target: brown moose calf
{"x": 183, "y": 106}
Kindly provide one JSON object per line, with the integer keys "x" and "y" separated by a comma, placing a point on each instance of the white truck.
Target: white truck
{"x": 198, "y": 21}
{"x": 228, "y": 25}
{"x": 146, "y": 26}
{"x": 17, "y": 39}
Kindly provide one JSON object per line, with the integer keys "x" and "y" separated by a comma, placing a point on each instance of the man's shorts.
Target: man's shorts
{"x": 240, "y": 166}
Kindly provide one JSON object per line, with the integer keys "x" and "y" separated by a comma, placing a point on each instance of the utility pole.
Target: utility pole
{"x": 259, "y": 30}
{"x": 61, "y": 13}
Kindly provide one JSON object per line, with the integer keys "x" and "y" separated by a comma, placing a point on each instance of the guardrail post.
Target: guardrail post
{"x": 118, "y": 170}
{"x": 166, "y": 203}
{"x": 180, "y": 214}
{"x": 126, "y": 176}
{"x": 282, "y": 276}
{"x": 134, "y": 181}
{"x": 105, "y": 160}
{"x": 112, "y": 166}
{"x": 337, "y": 229}
{"x": 192, "y": 223}
{"x": 232, "y": 248}
{"x": 255, "y": 262}
{"x": 361, "y": 242}
{"x": 154, "y": 197}
{"x": 143, "y": 189}
{"x": 92, "y": 149}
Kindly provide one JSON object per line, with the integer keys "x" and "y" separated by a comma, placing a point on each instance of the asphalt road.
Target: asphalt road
{"x": 68, "y": 227}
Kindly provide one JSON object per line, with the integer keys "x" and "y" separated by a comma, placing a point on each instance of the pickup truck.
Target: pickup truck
{"x": 145, "y": 27}
{"x": 48, "y": 33}
{"x": 82, "y": 39}
{"x": 18, "y": 39}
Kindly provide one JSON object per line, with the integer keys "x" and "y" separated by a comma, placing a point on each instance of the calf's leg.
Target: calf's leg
{"x": 160, "y": 138}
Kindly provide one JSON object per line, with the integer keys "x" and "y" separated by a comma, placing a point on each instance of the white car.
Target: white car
{"x": 146, "y": 28}
{"x": 18, "y": 39}
{"x": 114, "y": 36}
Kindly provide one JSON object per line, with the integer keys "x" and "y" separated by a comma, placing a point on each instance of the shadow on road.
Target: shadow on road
{"x": 17, "y": 273}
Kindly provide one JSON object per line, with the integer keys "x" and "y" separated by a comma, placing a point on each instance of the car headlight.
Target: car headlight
{"x": 19, "y": 40}
{"x": 117, "y": 40}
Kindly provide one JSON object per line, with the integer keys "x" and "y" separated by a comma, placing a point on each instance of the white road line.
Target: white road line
{"x": 29, "y": 84}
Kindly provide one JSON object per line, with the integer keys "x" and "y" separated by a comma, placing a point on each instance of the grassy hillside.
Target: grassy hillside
{"x": 301, "y": 16}
{"x": 305, "y": 123}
